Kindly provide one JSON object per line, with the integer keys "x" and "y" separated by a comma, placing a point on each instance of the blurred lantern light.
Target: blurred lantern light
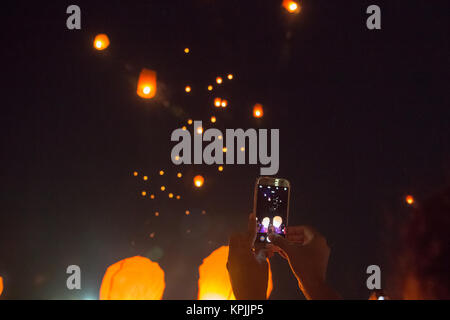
{"x": 147, "y": 84}
{"x": 152, "y": 196}
{"x": 224, "y": 103}
{"x": 203, "y": 211}
{"x": 277, "y": 221}
{"x": 213, "y": 119}
{"x": 219, "y": 137}
{"x": 101, "y": 42}
{"x": 179, "y": 175}
{"x": 152, "y": 235}
{"x": 292, "y": 6}
{"x": 258, "y": 110}
{"x": 265, "y": 222}
{"x": 135, "y": 174}
{"x": 187, "y": 89}
{"x": 171, "y": 195}
{"x": 219, "y": 80}
{"x": 214, "y": 281}
{"x": 145, "y": 178}
{"x": 198, "y": 181}
{"x": 177, "y": 158}
{"x": 230, "y": 77}
{"x": 163, "y": 188}
{"x": 186, "y": 50}
{"x": 183, "y": 128}
{"x": 135, "y": 278}
{"x": 210, "y": 87}
{"x": 187, "y": 212}
{"x": 409, "y": 199}
{"x": 217, "y": 102}
{"x": 143, "y": 193}
{"x": 161, "y": 173}
{"x": 178, "y": 197}
{"x": 199, "y": 130}
{"x": 189, "y": 121}
{"x": 156, "y": 214}
{"x": 220, "y": 168}
{"x": 242, "y": 149}
{"x": 224, "y": 149}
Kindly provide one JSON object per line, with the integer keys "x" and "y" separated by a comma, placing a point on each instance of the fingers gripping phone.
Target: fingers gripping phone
{"x": 271, "y": 205}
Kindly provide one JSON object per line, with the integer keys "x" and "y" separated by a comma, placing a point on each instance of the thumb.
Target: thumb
{"x": 280, "y": 242}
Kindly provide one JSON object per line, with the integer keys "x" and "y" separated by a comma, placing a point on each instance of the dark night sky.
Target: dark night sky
{"x": 363, "y": 118}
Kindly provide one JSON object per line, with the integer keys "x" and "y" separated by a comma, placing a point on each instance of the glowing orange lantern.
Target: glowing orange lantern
{"x": 147, "y": 84}
{"x": 219, "y": 80}
{"x": 186, "y": 50}
{"x": 409, "y": 199}
{"x": 213, "y": 119}
{"x": 291, "y": 6}
{"x": 210, "y": 87}
{"x": 1, "y": 285}
{"x": 217, "y": 102}
{"x": 214, "y": 282}
{"x": 220, "y": 168}
{"x": 258, "y": 110}
{"x": 224, "y": 103}
{"x": 135, "y": 278}
{"x": 135, "y": 174}
{"x": 101, "y": 42}
{"x": 198, "y": 181}
{"x": 187, "y": 89}
{"x": 230, "y": 77}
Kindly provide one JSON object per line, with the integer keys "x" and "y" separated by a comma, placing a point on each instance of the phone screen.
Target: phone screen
{"x": 271, "y": 210}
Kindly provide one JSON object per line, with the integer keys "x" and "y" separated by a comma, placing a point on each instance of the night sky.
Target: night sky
{"x": 363, "y": 118}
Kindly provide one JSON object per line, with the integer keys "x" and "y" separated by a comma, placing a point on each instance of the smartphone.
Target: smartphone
{"x": 271, "y": 205}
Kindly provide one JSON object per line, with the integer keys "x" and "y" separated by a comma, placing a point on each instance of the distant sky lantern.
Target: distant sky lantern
{"x": 179, "y": 174}
{"x": 409, "y": 199}
{"x": 214, "y": 281}
{"x": 220, "y": 168}
{"x": 199, "y": 130}
{"x": 152, "y": 196}
{"x": 230, "y": 77}
{"x": 183, "y": 128}
{"x": 213, "y": 119}
{"x": 170, "y": 195}
{"x": 145, "y": 178}
{"x": 135, "y": 278}
{"x": 101, "y": 42}
{"x": 186, "y": 50}
{"x": 143, "y": 193}
{"x": 219, "y": 80}
{"x": 217, "y": 102}
{"x": 224, "y": 149}
{"x": 163, "y": 188}
{"x": 187, "y": 212}
{"x": 135, "y": 174}
{"x": 292, "y": 6}
{"x": 161, "y": 173}
{"x": 224, "y": 103}
{"x": 198, "y": 181}
{"x": 178, "y": 197}
{"x": 189, "y": 121}
{"x": 146, "y": 87}
{"x": 187, "y": 89}
{"x": 258, "y": 110}
{"x": 210, "y": 87}
{"x": 156, "y": 214}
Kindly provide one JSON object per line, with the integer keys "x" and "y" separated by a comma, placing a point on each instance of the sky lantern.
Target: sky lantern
{"x": 179, "y": 174}
{"x": 198, "y": 181}
{"x": 409, "y": 199}
{"x": 214, "y": 282}
{"x": 187, "y": 89}
{"x": 186, "y": 50}
{"x": 220, "y": 168}
{"x": 219, "y": 80}
{"x": 292, "y": 6}
{"x": 210, "y": 87}
{"x": 135, "y": 173}
{"x": 146, "y": 87}
{"x": 258, "y": 110}
{"x": 135, "y": 278}
{"x": 163, "y": 188}
{"x": 224, "y": 103}
{"x": 213, "y": 119}
{"x": 217, "y": 102}
{"x": 101, "y": 42}
{"x": 230, "y": 77}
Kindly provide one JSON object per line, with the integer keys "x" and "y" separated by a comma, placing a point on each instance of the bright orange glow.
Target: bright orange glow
{"x": 217, "y": 102}
{"x": 135, "y": 174}
{"x": 178, "y": 197}
{"x": 258, "y": 110}
{"x": 409, "y": 199}
{"x": 230, "y": 77}
{"x": 184, "y": 128}
{"x": 143, "y": 193}
{"x": 179, "y": 175}
{"x": 214, "y": 282}
{"x": 224, "y": 103}
{"x": 187, "y": 89}
{"x": 186, "y": 50}
{"x": 152, "y": 235}
{"x": 224, "y": 149}
{"x": 210, "y": 87}
{"x": 242, "y": 149}
{"x": 187, "y": 212}
{"x": 171, "y": 195}
{"x": 198, "y": 181}
{"x": 135, "y": 278}
{"x": 190, "y": 121}
{"x": 146, "y": 87}
{"x": 213, "y": 119}
{"x": 291, "y": 6}
{"x": 161, "y": 173}
{"x": 219, "y": 80}
{"x": 199, "y": 130}
{"x": 1, "y": 286}
{"x": 163, "y": 188}
{"x": 145, "y": 178}
{"x": 156, "y": 214}
{"x": 220, "y": 168}
{"x": 152, "y": 196}
{"x": 177, "y": 158}
{"x": 101, "y": 42}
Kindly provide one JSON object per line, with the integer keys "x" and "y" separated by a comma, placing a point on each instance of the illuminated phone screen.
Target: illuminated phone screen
{"x": 271, "y": 211}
